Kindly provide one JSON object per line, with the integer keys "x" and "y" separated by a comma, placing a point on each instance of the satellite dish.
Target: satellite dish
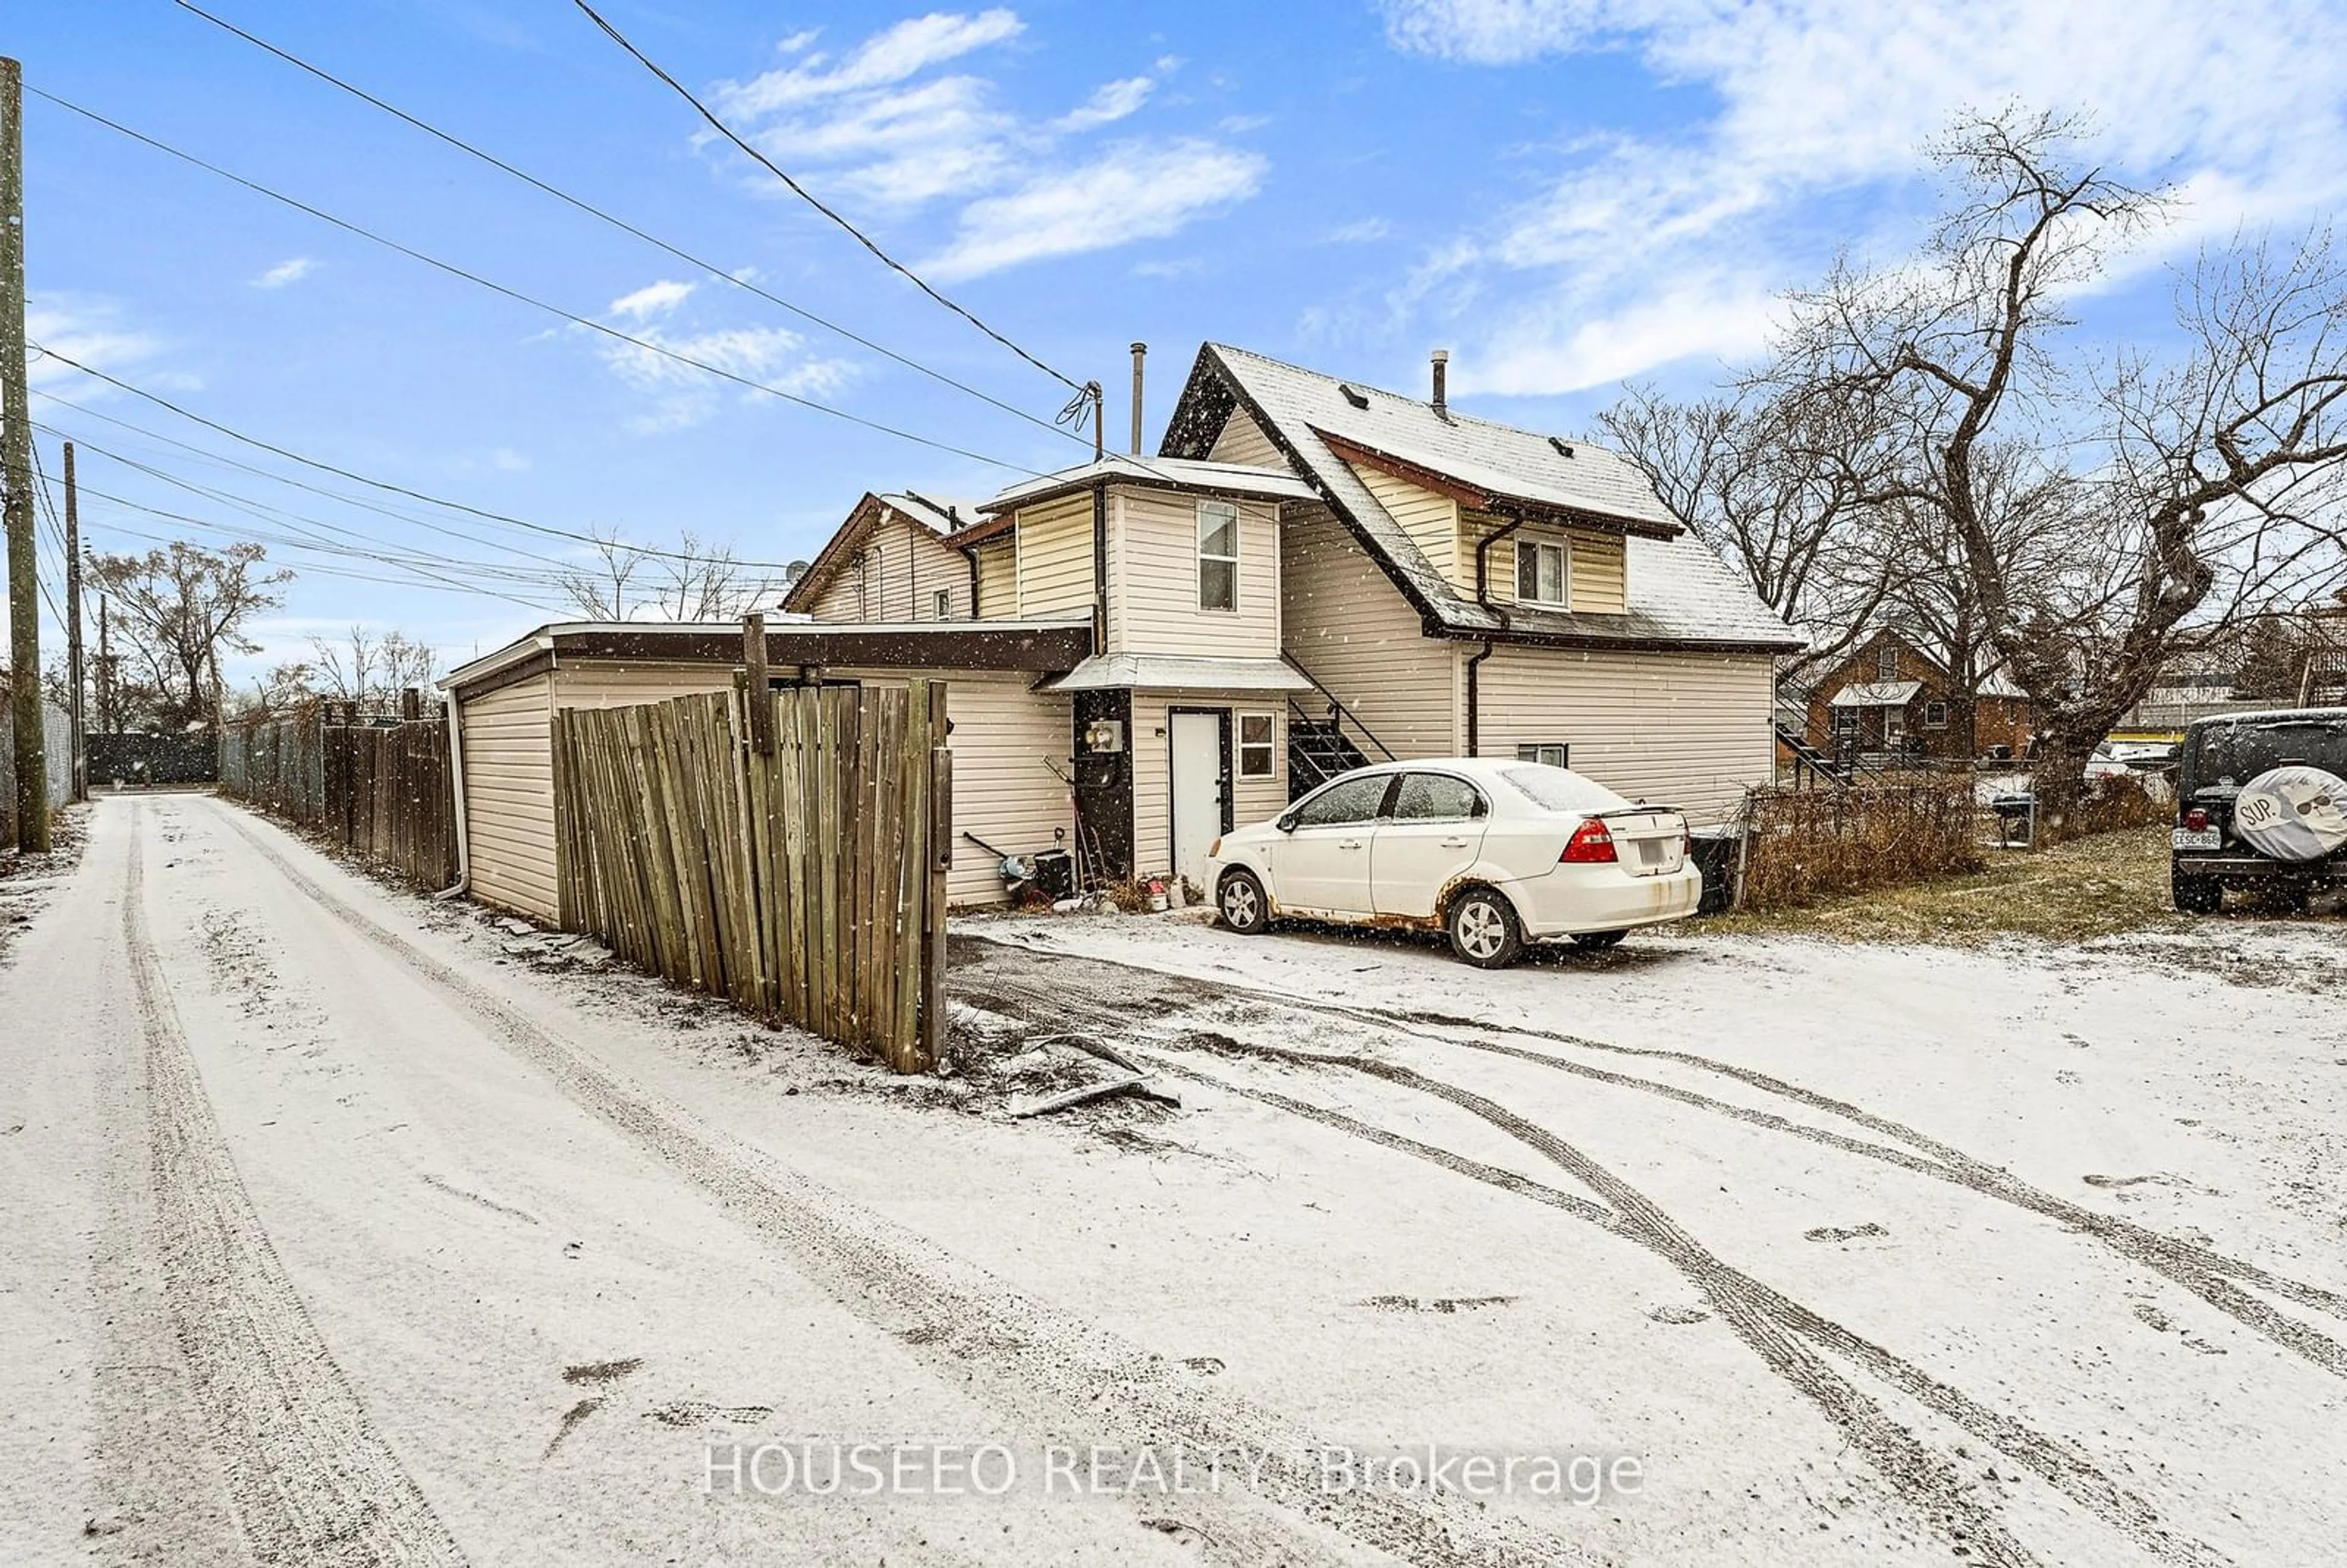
{"x": 793, "y": 573}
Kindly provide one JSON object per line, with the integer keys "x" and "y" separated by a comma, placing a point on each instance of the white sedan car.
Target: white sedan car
{"x": 1494, "y": 852}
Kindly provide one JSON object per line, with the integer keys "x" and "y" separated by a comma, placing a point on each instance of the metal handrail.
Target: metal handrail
{"x": 1336, "y": 707}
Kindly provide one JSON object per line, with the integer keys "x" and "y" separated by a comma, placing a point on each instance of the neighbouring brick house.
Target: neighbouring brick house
{"x": 1891, "y": 695}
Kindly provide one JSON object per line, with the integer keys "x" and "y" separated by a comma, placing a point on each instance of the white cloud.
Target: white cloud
{"x": 680, "y": 394}
{"x": 506, "y": 460}
{"x": 653, "y": 300}
{"x": 90, "y": 332}
{"x": 286, "y": 273}
{"x": 1111, "y": 102}
{"x": 1822, "y": 108}
{"x": 1361, "y": 231}
{"x": 902, "y": 123}
{"x": 1136, "y": 191}
{"x": 893, "y": 55}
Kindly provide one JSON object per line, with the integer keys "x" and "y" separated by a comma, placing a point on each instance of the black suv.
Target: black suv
{"x": 2220, "y": 756}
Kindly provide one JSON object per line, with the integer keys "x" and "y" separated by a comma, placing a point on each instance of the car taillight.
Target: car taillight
{"x": 1687, "y": 846}
{"x": 2196, "y": 820}
{"x": 1590, "y": 843}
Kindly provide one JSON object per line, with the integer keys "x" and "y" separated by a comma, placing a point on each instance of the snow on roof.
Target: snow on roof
{"x": 1177, "y": 473}
{"x": 1679, "y": 591}
{"x": 1876, "y": 694}
{"x": 940, "y": 515}
{"x": 1173, "y": 673}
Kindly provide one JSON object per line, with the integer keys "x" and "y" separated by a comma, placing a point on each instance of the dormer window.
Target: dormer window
{"x": 1542, "y": 576}
{"x": 1218, "y": 556}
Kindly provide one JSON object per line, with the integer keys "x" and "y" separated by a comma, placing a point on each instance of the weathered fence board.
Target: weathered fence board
{"x": 383, "y": 792}
{"x": 803, "y": 880}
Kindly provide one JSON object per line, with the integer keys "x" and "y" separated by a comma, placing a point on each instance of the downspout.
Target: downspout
{"x": 1482, "y": 597}
{"x": 1474, "y": 662}
{"x": 456, "y": 779}
{"x": 969, "y": 553}
{"x": 1100, "y": 565}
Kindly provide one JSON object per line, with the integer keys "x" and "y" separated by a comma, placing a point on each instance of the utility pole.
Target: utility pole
{"x": 77, "y": 709}
{"x": 16, "y": 463}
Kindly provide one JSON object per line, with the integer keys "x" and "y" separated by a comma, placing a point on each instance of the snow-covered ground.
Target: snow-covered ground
{"x": 346, "y": 1228}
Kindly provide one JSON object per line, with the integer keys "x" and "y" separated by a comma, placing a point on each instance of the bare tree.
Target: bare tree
{"x": 2170, "y": 496}
{"x": 179, "y": 609}
{"x": 693, "y": 580}
{"x": 1771, "y": 485}
{"x": 369, "y": 670}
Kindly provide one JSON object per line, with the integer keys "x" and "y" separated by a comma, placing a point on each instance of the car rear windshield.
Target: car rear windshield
{"x": 1558, "y": 789}
{"x": 2241, "y": 750}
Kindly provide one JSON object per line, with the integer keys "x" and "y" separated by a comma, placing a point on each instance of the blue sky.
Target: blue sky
{"x": 1564, "y": 192}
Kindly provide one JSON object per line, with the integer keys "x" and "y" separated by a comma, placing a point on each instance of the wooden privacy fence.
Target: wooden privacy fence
{"x": 389, "y": 798}
{"x": 275, "y": 764}
{"x": 785, "y": 849}
{"x": 383, "y": 792}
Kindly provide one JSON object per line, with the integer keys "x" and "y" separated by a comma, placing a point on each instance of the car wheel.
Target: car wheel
{"x": 1241, "y": 903}
{"x": 1598, "y": 941}
{"x": 1484, "y": 929}
{"x": 2198, "y": 895}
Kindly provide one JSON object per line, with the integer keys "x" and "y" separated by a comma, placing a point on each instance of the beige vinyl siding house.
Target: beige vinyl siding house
{"x": 1153, "y": 605}
{"x": 1431, "y": 521}
{"x": 1243, "y": 441}
{"x": 889, "y": 562}
{"x": 507, "y": 737}
{"x": 1348, "y": 627}
{"x": 997, "y": 580}
{"x": 1688, "y": 729}
{"x": 1054, "y": 549}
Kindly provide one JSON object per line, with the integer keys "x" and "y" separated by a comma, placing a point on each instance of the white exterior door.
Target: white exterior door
{"x": 1199, "y": 742}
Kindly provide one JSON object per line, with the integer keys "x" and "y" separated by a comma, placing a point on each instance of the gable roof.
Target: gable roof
{"x": 1683, "y": 596}
{"x": 933, "y": 517}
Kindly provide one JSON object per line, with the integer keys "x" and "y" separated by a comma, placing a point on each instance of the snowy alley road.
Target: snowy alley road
{"x": 336, "y": 1233}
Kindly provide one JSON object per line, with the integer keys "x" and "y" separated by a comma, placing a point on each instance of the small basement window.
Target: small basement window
{"x": 1935, "y": 715}
{"x": 1218, "y": 556}
{"x": 1255, "y": 740}
{"x": 1541, "y": 575}
{"x": 1552, "y": 755}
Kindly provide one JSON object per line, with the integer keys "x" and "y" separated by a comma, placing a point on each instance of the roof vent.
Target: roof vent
{"x": 1354, "y": 395}
{"x": 1564, "y": 448}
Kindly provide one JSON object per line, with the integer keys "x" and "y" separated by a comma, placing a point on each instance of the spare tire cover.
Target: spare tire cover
{"x": 2293, "y": 813}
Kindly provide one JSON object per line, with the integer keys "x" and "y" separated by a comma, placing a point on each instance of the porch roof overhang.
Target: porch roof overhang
{"x": 1181, "y": 672}
{"x": 1876, "y": 694}
{"x": 1038, "y": 645}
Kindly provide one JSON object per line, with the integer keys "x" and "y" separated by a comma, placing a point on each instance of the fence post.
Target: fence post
{"x": 940, "y": 853}
{"x": 754, "y": 662}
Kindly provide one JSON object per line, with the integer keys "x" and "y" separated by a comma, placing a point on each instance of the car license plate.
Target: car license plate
{"x": 1652, "y": 852}
{"x": 2189, "y": 838}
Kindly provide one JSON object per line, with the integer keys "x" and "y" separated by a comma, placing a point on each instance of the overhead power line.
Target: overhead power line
{"x": 384, "y": 484}
{"x": 581, "y": 204}
{"x": 1085, "y": 392}
{"x": 277, "y": 478}
{"x": 646, "y": 344}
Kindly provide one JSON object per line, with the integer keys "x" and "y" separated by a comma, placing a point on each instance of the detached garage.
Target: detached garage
{"x": 1011, "y": 742}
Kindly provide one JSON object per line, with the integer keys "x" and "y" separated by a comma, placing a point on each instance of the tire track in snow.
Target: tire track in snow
{"x": 1059, "y": 1372}
{"x": 313, "y": 1484}
{"x": 1753, "y": 1309}
{"x": 2209, "y": 1275}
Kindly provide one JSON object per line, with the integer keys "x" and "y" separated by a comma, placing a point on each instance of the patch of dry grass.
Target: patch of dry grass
{"x": 2104, "y": 885}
